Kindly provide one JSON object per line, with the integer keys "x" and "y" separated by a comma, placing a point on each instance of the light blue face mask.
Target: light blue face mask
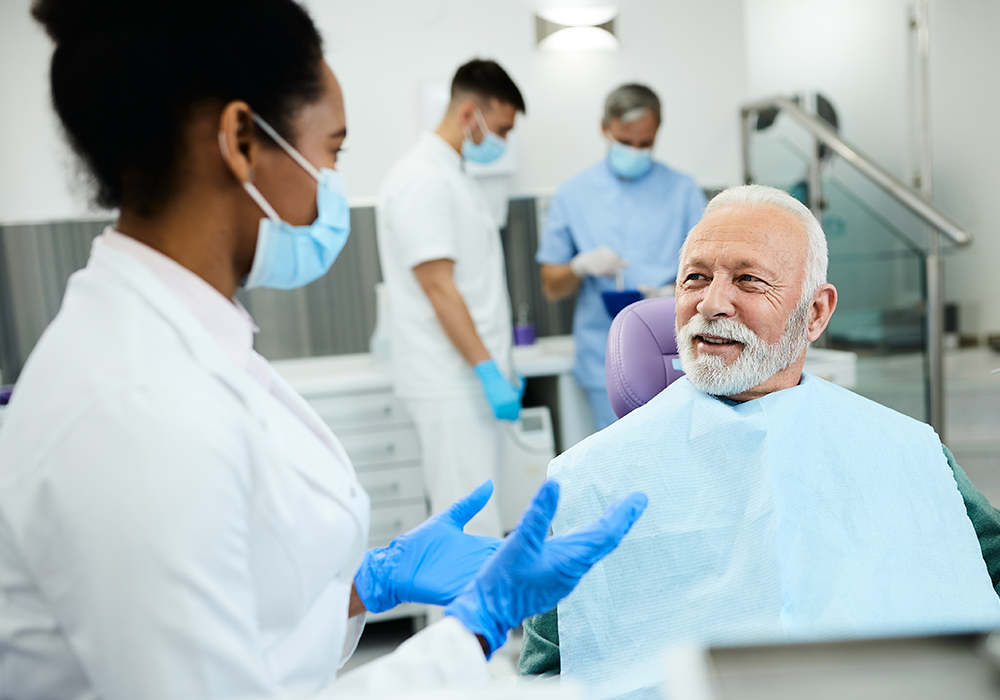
{"x": 629, "y": 163}
{"x": 288, "y": 257}
{"x": 487, "y": 150}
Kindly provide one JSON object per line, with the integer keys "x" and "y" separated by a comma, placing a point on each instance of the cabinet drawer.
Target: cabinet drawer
{"x": 392, "y": 484}
{"x": 360, "y": 410}
{"x": 382, "y": 447}
{"x": 392, "y": 521}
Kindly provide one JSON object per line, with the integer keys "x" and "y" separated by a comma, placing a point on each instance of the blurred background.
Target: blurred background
{"x": 908, "y": 83}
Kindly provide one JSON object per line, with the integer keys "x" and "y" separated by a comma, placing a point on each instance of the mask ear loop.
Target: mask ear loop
{"x": 482, "y": 125}
{"x": 288, "y": 148}
{"x": 261, "y": 202}
{"x": 482, "y": 122}
{"x": 250, "y": 188}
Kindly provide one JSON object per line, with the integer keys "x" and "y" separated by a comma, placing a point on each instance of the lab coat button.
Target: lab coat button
{"x": 352, "y": 492}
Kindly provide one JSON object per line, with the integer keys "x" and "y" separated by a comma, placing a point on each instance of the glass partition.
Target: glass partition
{"x": 877, "y": 262}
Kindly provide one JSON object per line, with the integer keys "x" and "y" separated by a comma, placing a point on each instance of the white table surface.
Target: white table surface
{"x": 312, "y": 376}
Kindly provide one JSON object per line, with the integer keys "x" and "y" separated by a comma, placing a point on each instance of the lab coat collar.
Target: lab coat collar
{"x": 442, "y": 150}
{"x": 207, "y": 352}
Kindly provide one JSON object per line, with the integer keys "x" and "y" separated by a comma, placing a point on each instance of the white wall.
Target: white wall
{"x": 383, "y": 51}
{"x": 858, "y": 53}
{"x": 965, "y": 114}
{"x": 36, "y": 181}
{"x": 853, "y": 51}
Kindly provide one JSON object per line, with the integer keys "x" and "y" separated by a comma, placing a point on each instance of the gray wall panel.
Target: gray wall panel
{"x": 334, "y": 315}
{"x": 37, "y": 261}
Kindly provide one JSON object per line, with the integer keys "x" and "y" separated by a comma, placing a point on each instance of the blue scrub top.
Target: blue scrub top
{"x": 645, "y": 221}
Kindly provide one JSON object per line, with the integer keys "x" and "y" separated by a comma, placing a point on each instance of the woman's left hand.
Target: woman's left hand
{"x": 429, "y": 564}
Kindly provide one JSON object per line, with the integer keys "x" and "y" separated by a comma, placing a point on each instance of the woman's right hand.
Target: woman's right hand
{"x": 529, "y": 574}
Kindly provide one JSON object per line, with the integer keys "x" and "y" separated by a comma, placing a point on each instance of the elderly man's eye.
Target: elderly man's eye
{"x": 748, "y": 278}
{"x": 694, "y": 277}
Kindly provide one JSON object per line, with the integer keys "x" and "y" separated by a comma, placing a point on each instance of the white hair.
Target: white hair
{"x": 763, "y": 196}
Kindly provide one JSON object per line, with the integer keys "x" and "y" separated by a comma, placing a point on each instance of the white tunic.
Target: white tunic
{"x": 430, "y": 209}
{"x": 172, "y": 526}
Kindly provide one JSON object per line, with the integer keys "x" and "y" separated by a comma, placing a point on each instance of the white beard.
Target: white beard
{"x": 758, "y": 361}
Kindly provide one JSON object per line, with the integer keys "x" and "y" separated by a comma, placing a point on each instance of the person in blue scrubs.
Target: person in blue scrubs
{"x": 626, "y": 215}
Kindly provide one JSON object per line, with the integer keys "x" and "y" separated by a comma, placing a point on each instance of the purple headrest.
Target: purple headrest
{"x": 642, "y": 357}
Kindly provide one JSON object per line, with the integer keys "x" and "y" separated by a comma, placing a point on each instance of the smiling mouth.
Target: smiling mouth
{"x": 715, "y": 340}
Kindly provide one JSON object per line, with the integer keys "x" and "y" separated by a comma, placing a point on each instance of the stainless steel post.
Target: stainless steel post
{"x": 934, "y": 262}
{"x": 745, "y": 133}
{"x": 935, "y": 336}
{"x": 923, "y": 103}
{"x": 816, "y": 183}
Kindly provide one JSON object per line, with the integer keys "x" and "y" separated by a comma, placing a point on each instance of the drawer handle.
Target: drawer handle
{"x": 388, "y": 449}
{"x": 385, "y": 489}
{"x": 348, "y": 415}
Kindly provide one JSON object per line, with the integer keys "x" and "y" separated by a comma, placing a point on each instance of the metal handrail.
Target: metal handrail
{"x": 914, "y": 201}
{"x": 822, "y": 131}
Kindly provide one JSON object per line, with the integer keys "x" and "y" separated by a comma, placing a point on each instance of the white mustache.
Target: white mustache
{"x": 727, "y": 328}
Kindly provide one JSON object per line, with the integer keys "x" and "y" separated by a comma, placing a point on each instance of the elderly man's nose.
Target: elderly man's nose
{"x": 717, "y": 301}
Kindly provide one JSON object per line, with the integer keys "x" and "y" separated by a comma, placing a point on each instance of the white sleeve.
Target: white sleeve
{"x": 135, "y": 527}
{"x": 422, "y": 221}
{"x": 355, "y": 626}
{"x": 443, "y": 655}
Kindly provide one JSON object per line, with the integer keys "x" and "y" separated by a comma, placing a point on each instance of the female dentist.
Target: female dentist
{"x": 175, "y": 522}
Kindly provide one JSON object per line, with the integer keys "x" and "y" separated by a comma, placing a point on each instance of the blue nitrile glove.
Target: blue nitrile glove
{"x": 431, "y": 563}
{"x": 530, "y": 574}
{"x": 503, "y": 396}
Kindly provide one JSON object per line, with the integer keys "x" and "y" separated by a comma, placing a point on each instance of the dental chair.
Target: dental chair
{"x": 642, "y": 358}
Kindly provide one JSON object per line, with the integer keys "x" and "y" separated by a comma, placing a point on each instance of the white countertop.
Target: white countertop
{"x": 361, "y": 372}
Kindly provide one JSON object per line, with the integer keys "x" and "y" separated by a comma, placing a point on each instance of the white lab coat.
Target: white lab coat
{"x": 169, "y": 528}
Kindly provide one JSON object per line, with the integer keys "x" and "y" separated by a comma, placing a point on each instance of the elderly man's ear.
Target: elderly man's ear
{"x": 824, "y": 302}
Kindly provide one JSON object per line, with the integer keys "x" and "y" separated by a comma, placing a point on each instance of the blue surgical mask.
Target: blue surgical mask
{"x": 629, "y": 163}
{"x": 487, "y": 150}
{"x": 289, "y": 257}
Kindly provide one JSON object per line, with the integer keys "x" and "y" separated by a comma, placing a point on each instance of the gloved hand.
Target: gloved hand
{"x": 599, "y": 262}
{"x": 504, "y": 397}
{"x": 530, "y": 574}
{"x": 431, "y": 563}
{"x": 651, "y": 291}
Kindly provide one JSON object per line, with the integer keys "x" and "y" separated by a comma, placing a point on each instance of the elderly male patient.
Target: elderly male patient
{"x": 781, "y": 507}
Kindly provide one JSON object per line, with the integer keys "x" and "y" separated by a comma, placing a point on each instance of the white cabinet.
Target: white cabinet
{"x": 353, "y": 395}
{"x": 382, "y": 443}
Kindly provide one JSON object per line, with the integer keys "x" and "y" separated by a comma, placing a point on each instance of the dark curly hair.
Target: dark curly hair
{"x": 127, "y": 74}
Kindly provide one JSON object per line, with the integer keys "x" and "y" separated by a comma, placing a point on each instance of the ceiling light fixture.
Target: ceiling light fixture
{"x": 576, "y": 29}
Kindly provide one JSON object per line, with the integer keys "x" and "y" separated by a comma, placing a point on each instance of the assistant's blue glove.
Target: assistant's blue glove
{"x": 504, "y": 397}
{"x": 431, "y": 563}
{"x": 530, "y": 574}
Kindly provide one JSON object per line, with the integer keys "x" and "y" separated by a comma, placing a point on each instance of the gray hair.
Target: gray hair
{"x": 629, "y": 102}
{"x": 760, "y": 196}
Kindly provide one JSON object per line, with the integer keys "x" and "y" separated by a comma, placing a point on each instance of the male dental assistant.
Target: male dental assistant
{"x": 626, "y": 214}
{"x": 443, "y": 265}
